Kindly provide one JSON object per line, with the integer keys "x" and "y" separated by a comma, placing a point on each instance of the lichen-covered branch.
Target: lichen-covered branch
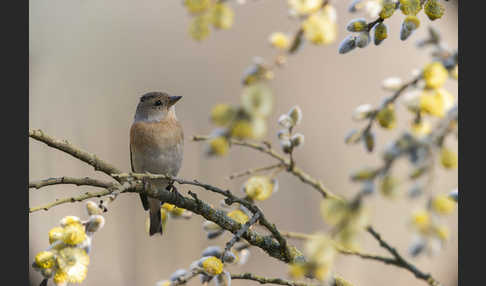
{"x": 265, "y": 280}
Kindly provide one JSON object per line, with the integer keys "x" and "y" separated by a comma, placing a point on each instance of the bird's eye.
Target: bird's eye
{"x": 142, "y": 99}
{"x": 158, "y": 103}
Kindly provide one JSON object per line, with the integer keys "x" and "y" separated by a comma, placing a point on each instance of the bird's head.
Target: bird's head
{"x": 156, "y": 106}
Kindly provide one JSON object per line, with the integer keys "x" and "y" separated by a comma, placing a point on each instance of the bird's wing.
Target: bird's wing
{"x": 143, "y": 197}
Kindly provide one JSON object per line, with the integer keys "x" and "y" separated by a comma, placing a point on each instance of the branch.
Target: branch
{"x": 400, "y": 261}
{"x": 294, "y": 170}
{"x": 264, "y": 280}
{"x": 66, "y": 147}
{"x": 307, "y": 179}
{"x": 240, "y": 232}
{"x": 87, "y": 181}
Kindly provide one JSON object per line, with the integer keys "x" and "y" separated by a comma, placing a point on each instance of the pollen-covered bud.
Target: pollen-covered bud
{"x": 362, "y": 112}
{"x": 443, "y": 204}
{"x": 74, "y": 234}
{"x": 95, "y": 223}
{"x": 363, "y": 39}
{"x": 386, "y": 117}
{"x": 199, "y": 27}
{"x": 434, "y": 9}
{"x": 357, "y": 25}
{"x": 211, "y": 265}
{"x": 304, "y": 7}
{"x": 257, "y": 99}
{"x": 196, "y": 6}
{"x": 388, "y": 186}
{"x": 55, "y": 234}
{"x": 67, "y": 220}
{"x": 259, "y": 187}
{"x": 410, "y": 7}
{"x": 222, "y": 16}
{"x": 45, "y": 259}
{"x": 348, "y": 44}
{"x": 448, "y": 158}
{"x": 222, "y": 114}
{"x": 389, "y": 7}
{"x": 279, "y": 40}
{"x": 380, "y": 33}
{"x": 435, "y": 75}
{"x": 297, "y": 140}
{"x": 410, "y": 24}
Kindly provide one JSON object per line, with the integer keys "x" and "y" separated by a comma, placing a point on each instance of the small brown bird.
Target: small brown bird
{"x": 156, "y": 146}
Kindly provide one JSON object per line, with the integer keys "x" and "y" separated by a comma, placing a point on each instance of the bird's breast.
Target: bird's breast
{"x": 157, "y": 147}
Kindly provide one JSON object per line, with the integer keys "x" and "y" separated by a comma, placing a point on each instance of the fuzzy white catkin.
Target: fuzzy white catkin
{"x": 348, "y": 44}
{"x": 392, "y": 83}
{"x": 362, "y": 111}
{"x": 295, "y": 114}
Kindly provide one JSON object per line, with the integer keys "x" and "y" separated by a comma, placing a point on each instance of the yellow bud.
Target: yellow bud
{"x": 60, "y": 277}
{"x": 436, "y": 102}
{"x": 319, "y": 29}
{"x": 386, "y": 117}
{"x": 259, "y": 188}
{"x": 279, "y": 41}
{"x": 56, "y": 234}
{"x": 334, "y": 211}
{"x": 387, "y": 10}
{"x": 297, "y": 270}
{"x": 434, "y": 9}
{"x": 242, "y": 129}
{"x": 442, "y": 232}
{"x": 74, "y": 234}
{"x": 257, "y": 99}
{"x": 45, "y": 259}
{"x": 304, "y": 7}
{"x": 238, "y": 216}
{"x": 448, "y": 158}
{"x": 322, "y": 272}
{"x": 410, "y": 7}
{"x": 212, "y": 266}
{"x": 222, "y": 114}
{"x": 421, "y": 220}
{"x": 168, "y": 207}
{"x": 199, "y": 27}
{"x": 421, "y": 128}
{"x": 455, "y": 72}
{"x": 443, "y": 204}
{"x": 388, "y": 186}
{"x": 196, "y": 6}
{"x": 435, "y": 75}
{"x": 222, "y": 16}
{"x": 67, "y": 220}
{"x": 219, "y": 145}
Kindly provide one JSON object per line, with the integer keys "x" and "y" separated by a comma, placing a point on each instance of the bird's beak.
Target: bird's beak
{"x": 174, "y": 99}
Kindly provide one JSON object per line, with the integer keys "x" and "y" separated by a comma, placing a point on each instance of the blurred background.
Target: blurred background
{"x": 90, "y": 61}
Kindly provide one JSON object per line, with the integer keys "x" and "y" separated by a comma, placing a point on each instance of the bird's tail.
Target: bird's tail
{"x": 155, "y": 223}
{"x": 155, "y": 217}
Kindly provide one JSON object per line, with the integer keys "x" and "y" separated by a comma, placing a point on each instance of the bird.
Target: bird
{"x": 156, "y": 147}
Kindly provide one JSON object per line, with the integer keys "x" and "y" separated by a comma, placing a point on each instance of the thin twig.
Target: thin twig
{"x": 253, "y": 171}
{"x": 240, "y": 232}
{"x": 87, "y": 181}
{"x": 400, "y": 261}
{"x": 265, "y": 280}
